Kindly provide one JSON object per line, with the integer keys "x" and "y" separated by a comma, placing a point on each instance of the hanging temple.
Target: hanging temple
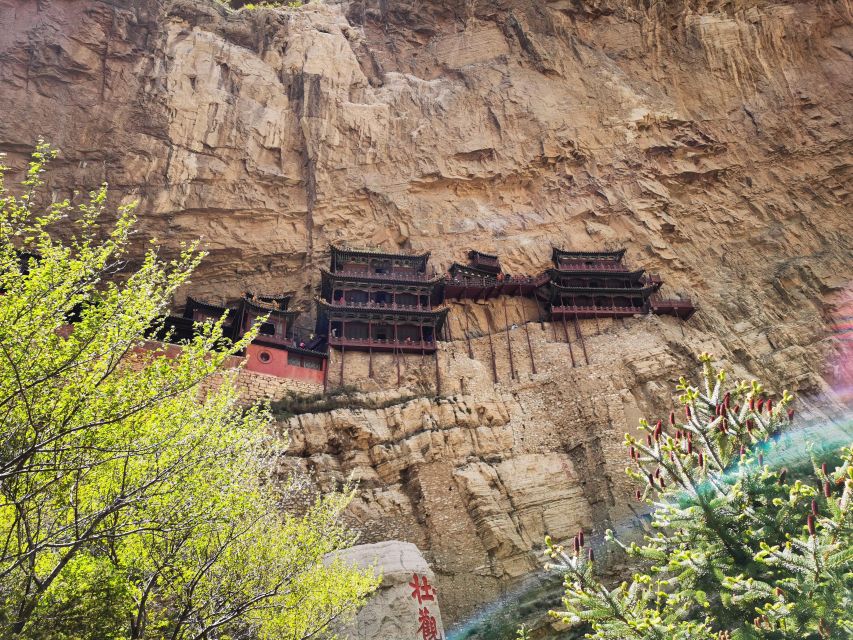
{"x": 393, "y": 302}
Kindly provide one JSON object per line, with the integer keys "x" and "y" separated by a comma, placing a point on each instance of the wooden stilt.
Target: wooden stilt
{"x": 370, "y": 362}
{"x": 396, "y": 359}
{"x": 326, "y": 364}
{"x": 509, "y": 344}
{"x": 492, "y": 351}
{"x": 328, "y": 355}
{"x": 580, "y": 336}
{"x": 530, "y": 349}
{"x": 342, "y": 365}
{"x": 538, "y": 317}
{"x": 437, "y": 375}
{"x": 468, "y": 337}
{"x": 566, "y": 331}
{"x": 554, "y": 327}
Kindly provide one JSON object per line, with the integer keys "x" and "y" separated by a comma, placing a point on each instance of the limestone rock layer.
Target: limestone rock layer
{"x": 711, "y": 139}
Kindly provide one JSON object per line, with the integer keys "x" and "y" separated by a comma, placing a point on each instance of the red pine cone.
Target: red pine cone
{"x": 810, "y": 523}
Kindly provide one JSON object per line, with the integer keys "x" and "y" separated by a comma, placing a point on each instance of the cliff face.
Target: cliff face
{"x": 712, "y": 139}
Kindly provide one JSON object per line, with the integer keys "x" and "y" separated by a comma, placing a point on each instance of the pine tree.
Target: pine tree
{"x": 738, "y": 547}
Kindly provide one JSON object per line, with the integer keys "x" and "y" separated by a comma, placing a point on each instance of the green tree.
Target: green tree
{"x": 137, "y": 496}
{"x": 739, "y": 547}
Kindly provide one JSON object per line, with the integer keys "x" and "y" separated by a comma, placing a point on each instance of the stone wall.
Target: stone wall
{"x": 257, "y": 387}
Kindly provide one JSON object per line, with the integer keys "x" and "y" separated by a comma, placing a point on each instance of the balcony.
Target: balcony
{"x": 417, "y": 346}
{"x": 583, "y": 311}
{"x": 475, "y": 288}
{"x": 678, "y": 307}
{"x": 394, "y": 277}
{"x": 380, "y": 306}
{"x": 570, "y": 265}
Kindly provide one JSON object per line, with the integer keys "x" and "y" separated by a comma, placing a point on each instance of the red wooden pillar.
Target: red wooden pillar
{"x": 369, "y": 348}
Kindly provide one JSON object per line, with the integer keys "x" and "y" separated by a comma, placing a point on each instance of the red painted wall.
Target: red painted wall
{"x": 278, "y": 366}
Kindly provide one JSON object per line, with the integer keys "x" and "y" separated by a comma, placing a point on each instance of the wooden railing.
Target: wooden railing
{"x": 586, "y": 310}
{"x": 570, "y": 266}
{"x": 380, "y": 305}
{"x": 337, "y": 341}
{"x": 397, "y": 277}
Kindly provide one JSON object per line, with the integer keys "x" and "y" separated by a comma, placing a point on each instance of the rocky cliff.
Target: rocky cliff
{"x": 712, "y": 139}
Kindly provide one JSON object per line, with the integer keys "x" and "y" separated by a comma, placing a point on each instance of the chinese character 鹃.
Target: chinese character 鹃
{"x": 429, "y": 627}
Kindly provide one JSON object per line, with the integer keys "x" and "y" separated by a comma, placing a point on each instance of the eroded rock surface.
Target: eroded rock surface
{"x": 710, "y": 139}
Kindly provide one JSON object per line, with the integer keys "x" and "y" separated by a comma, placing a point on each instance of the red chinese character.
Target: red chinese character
{"x": 421, "y": 589}
{"x": 429, "y": 627}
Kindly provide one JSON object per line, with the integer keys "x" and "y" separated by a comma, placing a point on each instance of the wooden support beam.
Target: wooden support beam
{"x": 580, "y": 335}
{"x": 328, "y": 356}
{"x": 437, "y": 375}
{"x": 468, "y": 337}
{"x": 530, "y": 349}
{"x": 370, "y": 362}
{"x": 509, "y": 344}
{"x": 342, "y": 365}
{"x": 566, "y": 331}
{"x": 396, "y": 359}
{"x": 492, "y": 351}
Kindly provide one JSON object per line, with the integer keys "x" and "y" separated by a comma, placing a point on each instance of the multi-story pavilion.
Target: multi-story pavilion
{"x": 384, "y": 301}
{"x": 596, "y": 284}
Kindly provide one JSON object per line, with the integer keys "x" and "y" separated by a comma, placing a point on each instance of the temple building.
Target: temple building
{"x": 277, "y": 350}
{"x": 596, "y": 284}
{"x": 380, "y": 301}
{"x": 483, "y": 277}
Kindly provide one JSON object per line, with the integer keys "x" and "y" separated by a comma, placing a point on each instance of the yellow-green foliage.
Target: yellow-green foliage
{"x": 136, "y": 502}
